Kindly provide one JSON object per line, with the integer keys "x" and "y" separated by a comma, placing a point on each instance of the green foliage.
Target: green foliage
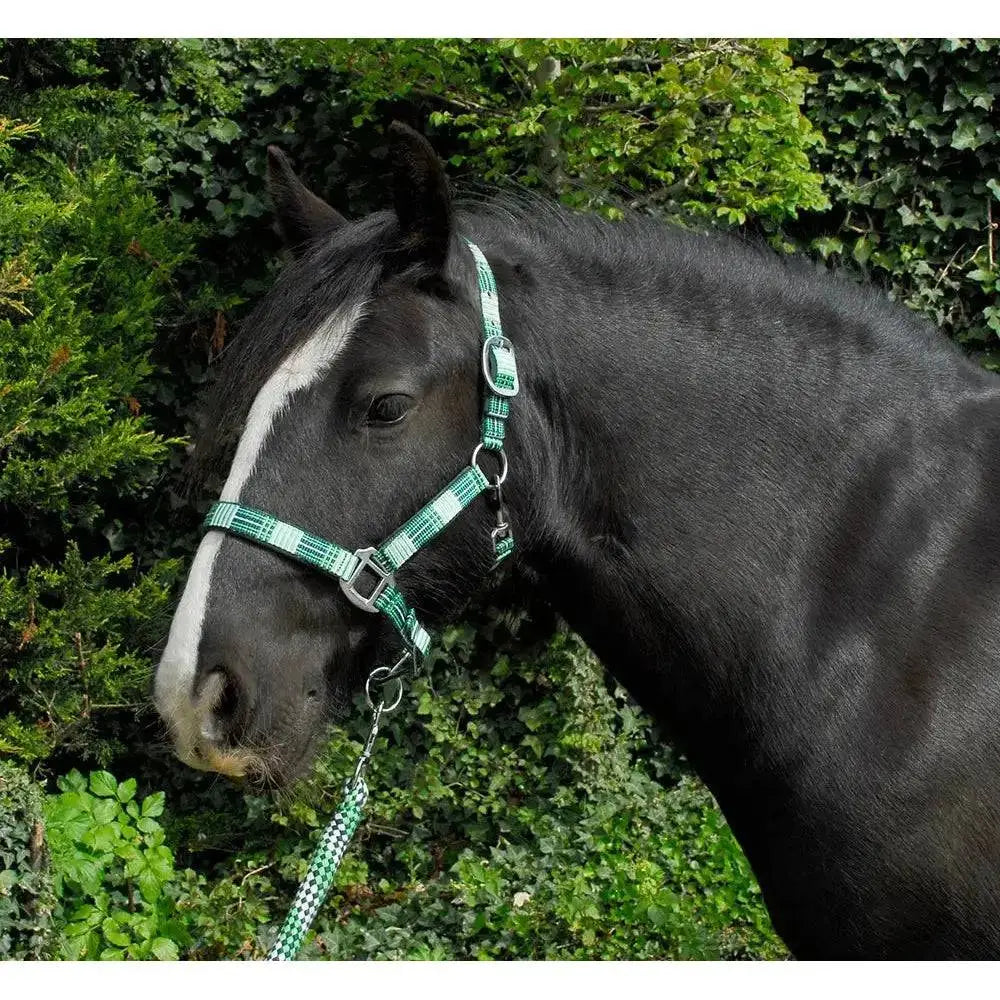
{"x": 75, "y": 349}
{"x": 710, "y": 129}
{"x": 74, "y": 639}
{"x": 86, "y": 263}
{"x": 112, "y": 871}
{"x": 26, "y": 896}
{"x": 911, "y": 167}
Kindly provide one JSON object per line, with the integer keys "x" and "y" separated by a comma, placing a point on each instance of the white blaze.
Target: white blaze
{"x": 175, "y": 673}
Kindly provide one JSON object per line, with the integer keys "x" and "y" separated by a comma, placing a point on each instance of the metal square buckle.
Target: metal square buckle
{"x": 498, "y": 342}
{"x": 366, "y": 560}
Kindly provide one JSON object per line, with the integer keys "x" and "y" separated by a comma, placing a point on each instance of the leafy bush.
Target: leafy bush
{"x": 911, "y": 168}
{"x": 706, "y": 128}
{"x": 26, "y": 897}
{"x": 111, "y": 871}
{"x": 87, "y": 264}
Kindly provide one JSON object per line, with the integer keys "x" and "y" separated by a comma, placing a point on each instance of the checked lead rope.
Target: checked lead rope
{"x": 367, "y": 578}
{"x": 339, "y": 832}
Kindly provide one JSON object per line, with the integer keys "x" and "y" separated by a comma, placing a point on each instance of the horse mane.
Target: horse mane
{"x": 642, "y": 247}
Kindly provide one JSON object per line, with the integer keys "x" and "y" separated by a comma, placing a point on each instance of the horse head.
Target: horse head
{"x": 353, "y": 393}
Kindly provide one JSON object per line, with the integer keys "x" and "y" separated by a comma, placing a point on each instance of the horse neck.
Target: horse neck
{"x": 682, "y": 431}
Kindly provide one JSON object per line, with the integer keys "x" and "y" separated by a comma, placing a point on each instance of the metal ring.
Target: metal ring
{"x": 381, "y": 675}
{"x": 502, "y": 456}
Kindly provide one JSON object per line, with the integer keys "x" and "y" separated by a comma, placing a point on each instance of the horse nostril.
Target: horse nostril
{"x": 225, "y": 700}
{"x": 229, "y": 701}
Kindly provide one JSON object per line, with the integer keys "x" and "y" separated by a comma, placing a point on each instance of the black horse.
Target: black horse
{"x": 766, "y": 497}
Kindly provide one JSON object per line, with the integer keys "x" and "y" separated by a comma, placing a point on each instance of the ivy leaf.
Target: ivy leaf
{"x": 161, "y": 862}
{"x": 113, "y": 932}
{"x": 827, "y": 245}
{"x": 180, "y": 199}
{"x": 224, "y": 130}
{"x": 126, "y": 790}
{"x": 152, "y": 805}
{"x": 150, "y": 886}
{"x": 966, "y": 134}
{"x": 105, "y": 810}
{"x": 862, "y": 250}
{"x": 77, "y": 929}
{"x": 72, "y": 782}
{"x": 102, "y": 838}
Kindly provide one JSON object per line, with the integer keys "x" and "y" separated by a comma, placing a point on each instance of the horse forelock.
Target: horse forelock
{"x": 335, "y": 273}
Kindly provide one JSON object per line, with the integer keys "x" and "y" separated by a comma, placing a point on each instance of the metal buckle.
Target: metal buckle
{"x": 501, "y": 532}
{"x": 501, "y": 342}
{"x": 366, "y": 560}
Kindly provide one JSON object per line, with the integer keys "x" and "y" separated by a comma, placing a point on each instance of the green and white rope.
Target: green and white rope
{"x": 323, "y": 868}
{"x": 499, "y": 357}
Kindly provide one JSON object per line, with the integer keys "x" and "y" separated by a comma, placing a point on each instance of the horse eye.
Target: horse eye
{"x": 388, "y": 409}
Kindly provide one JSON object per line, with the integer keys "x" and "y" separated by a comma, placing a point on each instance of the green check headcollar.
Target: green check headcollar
{"x": 500, "y": 375}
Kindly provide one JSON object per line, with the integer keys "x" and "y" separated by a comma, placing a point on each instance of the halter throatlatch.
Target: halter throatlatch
{"x": 367, "y": 578}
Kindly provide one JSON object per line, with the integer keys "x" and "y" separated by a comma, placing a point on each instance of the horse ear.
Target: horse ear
{"x": 420, "y": 193}
{"x": 301, "y": 215}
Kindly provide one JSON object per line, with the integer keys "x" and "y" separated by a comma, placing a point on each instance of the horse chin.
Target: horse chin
{"x": 263, "y": 770}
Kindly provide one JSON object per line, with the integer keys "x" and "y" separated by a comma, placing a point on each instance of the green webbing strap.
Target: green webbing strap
{"x": 328, "y": 557}
{"x": 433, "y": 517}
{"x": 503, "y": 548}
{"x": 499, "y": 366}
{"x": 265, "y": 529}
{"x": 322, "y": 869}
{"x": 391, "y": 603}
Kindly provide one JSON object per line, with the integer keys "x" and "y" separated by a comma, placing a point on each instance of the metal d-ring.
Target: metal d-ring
{"x": 501, "y": 455}
{"x": 384, "y": 676}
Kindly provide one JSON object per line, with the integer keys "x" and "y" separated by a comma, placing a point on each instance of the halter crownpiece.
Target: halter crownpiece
{"x": 355, "y": 570}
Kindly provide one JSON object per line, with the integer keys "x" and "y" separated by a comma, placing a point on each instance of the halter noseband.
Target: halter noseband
{"x": 500, "y": 375}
